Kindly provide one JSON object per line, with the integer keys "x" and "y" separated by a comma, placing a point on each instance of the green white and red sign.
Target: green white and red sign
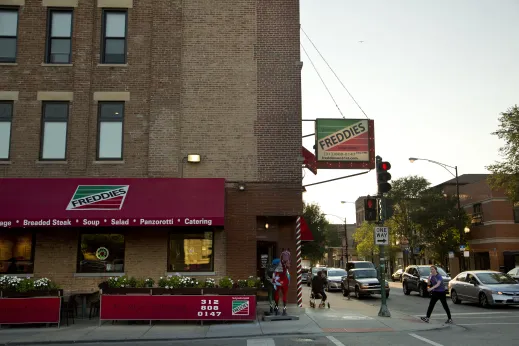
{"x": 98, "y": 197}
{"x": 342, "y": 140}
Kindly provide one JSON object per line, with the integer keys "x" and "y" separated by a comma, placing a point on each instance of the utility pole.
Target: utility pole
{"x": 383, "y": 187}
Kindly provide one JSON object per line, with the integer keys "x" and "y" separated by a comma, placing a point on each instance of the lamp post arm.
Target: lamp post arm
{"x": 445, "y": 167}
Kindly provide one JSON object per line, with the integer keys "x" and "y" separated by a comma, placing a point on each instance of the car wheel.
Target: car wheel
{"x": 483, "y": 300}
{"x": 422, "y": 291}
{"x": 406, "y": 290}
{"x": 454, "y": 297}
{"x": 357, "y": 293}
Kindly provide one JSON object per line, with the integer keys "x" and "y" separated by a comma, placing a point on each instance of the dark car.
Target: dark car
{"x": 415, "y": 279}
{"x": 363, "y": 282}
{"x": 397, "y": 276}
{"x": 359, "y": 264}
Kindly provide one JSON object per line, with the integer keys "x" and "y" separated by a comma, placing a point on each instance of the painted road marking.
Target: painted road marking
{"x": 261, "y": 342}
{"x": 356, "y": 330}
{"x": 430, "y": 342}
{"x": 469, "y": 313}
{"x": 335, "y": 341}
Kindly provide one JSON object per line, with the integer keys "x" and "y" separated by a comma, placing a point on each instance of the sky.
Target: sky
{"x": 433, "y": 75}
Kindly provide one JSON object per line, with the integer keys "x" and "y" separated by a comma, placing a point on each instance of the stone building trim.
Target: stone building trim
{"x": 115, "y": 3}
{"x": 12, "y": 2}
{"x": 494, "y": 240}
{"x": 55, "y": 96}
{"x": 9, "y": 95}
{"x": 59, "y": 3}
{"x": 111, "y": 96}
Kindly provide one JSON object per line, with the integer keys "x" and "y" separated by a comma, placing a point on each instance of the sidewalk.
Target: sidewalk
{"x": 345, "y": 316}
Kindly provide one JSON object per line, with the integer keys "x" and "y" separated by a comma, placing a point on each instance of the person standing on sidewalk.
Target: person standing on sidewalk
{"x": 437, "y": 290}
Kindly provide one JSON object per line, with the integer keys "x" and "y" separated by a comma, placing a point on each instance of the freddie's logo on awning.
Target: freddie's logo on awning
{"x": 98, "y": 197}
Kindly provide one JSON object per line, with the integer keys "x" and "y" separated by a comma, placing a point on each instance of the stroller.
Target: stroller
{"x": 313, "y": 297}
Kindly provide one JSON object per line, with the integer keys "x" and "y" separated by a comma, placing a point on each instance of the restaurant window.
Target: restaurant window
{"x": 6, "y": 118}
{"x": 16, "y": 252}
{"x": 59, "y": 37}
{"x": 114, "y": 37}
{"x": 191, "y": 252}
{"x": 110, "y": 131}
{"x": 8, "y": 34}
{"x": 54, "y": 131}
{"x": 101, "y": 253}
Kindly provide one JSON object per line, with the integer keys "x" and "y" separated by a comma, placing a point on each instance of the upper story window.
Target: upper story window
{"x": 110, "y": 131}
{"x": 6, "y": 118}
{"x": 8, "y": 34}
{"x": 114, "y": 37}
{"x": 54, "y": 131}
{"x": 59, "y": 37}
{"x": 477, "y": 216}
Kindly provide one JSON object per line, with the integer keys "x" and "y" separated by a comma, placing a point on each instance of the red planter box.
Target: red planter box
{"x": 30, "y": 310}
{"x": 184, "y": 307}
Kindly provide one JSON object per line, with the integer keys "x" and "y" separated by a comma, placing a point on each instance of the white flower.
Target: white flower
{"x": 167, "y": 287}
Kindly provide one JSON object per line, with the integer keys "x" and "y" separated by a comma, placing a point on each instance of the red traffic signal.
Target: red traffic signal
{"x": 383, "y": 176}
{"x": 385, "y": 166}
{"x": 370, "y": 209}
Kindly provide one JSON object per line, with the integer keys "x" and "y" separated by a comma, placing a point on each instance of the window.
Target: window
{"x": 110, "y": 131}
{"x": 54, "y": 131}
{"x": 8, "y": 34}
{"x": 191, "y": 252}
{"x": 114, "y": 37}
{"x": 59, "y": 37}
{"x": 101, "y": 253}
{"x": 16, "y": 252}
{"x": 6, "y": 117}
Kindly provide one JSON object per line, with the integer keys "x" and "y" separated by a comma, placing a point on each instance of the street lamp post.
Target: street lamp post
{"x": 346, "y": 259}
{"x": 460, "y": 226}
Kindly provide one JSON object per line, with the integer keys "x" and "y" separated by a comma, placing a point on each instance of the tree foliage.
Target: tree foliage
{"x": 505, "y": 174}
{"x": 316, "y": 220}
{"x": 364, "y": 237}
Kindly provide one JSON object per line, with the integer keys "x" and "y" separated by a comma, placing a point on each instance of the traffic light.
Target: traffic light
{"x": 370, "y": 209}
{"x": 383, "y": 176}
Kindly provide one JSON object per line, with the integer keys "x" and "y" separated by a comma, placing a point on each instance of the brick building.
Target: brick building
{"x": 115, "y": 95}
{"x": 493, "y": 241}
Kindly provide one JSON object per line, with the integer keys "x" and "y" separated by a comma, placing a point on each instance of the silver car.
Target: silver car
{"x": 334, "y": 277}
{"x": 487, "y": 287}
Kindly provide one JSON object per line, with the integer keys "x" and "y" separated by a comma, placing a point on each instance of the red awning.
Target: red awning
{"x": 87, "y": 202}
{"x": 306, "y": 232}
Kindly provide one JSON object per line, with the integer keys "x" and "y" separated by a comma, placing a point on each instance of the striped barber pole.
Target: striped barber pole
{"x": 299, "y": 265}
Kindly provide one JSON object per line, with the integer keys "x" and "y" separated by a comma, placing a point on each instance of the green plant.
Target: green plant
{"x": 209, "y": 283}
{"x": 25, "y": 285}
{"x": 149, "y": 282}
{"x": 118, "y": 282}
{"x": 186, "y": 282}
{"x": 253, "y": 282}
{"x": 242, "y": 283}
{"x": 170, "y": 282}
{"x": 132, "y": 282}
{"x": 140, "y": 283}
{"x": 226, "y": 282}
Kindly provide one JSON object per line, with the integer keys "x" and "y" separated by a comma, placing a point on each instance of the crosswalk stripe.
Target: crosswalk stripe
{"x": 260, "y": 342}
{"x": 335, "y": 341}
{"x": 430, "y": 342}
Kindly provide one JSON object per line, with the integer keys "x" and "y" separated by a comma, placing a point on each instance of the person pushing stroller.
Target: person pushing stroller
{"x": 318, "y": 283}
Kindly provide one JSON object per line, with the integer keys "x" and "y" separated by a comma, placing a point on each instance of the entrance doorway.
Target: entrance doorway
{"x": 265, "y": 253}
{"x": 481, "y": 261}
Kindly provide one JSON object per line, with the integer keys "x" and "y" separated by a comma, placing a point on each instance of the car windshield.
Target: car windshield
{"x": 426, "y": 271}
{"x": 315, "y": 270}
{"x": 363, "y": 265}
{"x": 337, "y": 273}
{"x": 365, "y": 274}
{"x": 495, "y": 279}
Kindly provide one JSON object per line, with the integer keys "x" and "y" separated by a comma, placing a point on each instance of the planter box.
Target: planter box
{"x": 125, "y": 291}
{"x": 169, "y": 307}
{"x": 30, "y": 310}
{"x": 31, "y": 294}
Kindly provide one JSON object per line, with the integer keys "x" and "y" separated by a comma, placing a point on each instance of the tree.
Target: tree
{"x": 316, "y": 220}
{"x": 405, "y": 196}
{"x": 505, "y": 175}
{"x": 364, "y": 237}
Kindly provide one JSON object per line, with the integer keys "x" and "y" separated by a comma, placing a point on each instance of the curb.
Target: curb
{"x": 112, "y": 341}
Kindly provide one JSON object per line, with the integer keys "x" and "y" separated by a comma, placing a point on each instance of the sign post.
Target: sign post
{"x": 382, "y": 240}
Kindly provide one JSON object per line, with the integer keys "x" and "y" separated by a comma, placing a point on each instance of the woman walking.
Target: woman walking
{"x": 437, "y": 291}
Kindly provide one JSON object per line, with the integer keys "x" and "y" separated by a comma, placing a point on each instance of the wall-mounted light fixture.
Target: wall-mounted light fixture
{"x": 193, "y": 158}
{"x": 266, "y": 226}
{"x": 241, "y": 187}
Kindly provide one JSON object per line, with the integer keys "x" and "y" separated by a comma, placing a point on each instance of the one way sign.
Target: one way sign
{"x": 381, "y": 236}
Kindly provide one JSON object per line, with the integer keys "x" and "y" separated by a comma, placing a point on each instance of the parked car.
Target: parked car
{"x": 397, "y": 276}
{"x": 415, "y": 279}
{"x": 363, "y": 282}
{"x": 334, "y": 277}
{"x": 514, "y": 273}
{"x": 359, "y": 264}
{"x": 487, "y": 287}
{"x": 304, "y": 275}
{"x": 313, "y": 272}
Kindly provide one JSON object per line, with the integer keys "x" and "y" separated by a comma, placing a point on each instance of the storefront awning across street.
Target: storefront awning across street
{"x": 91, "y": 202}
